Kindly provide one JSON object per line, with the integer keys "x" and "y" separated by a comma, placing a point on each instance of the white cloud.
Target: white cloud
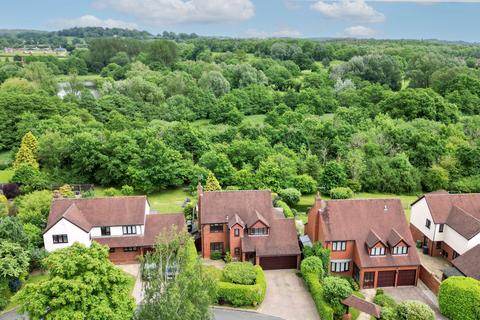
{"x": 92, "y": 21}
{"x": 182, "y": 11}
{"x": 349, "y": 9}
{"x": 291, "y": 5}
{"x": 359, "y": 31}
{"x": 280, "y": 33}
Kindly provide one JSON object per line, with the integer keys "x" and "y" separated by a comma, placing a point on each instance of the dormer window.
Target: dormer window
{"x": 257, "y": 231}
{"x": 377, "y": 251}
{"x": 400, "y": 250}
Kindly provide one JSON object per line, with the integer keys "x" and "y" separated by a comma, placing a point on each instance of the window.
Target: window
{"x": 111, "y": 250}
{"x": 129, "y": 229}
{"x": 216, "y": 246}
{"x": 440, "y": 228}
{"x": 129, "y": 249}
{"x": 236, "y": 232}
{"x": 216, "y": 227}
{"x": 400, "y": 250}
{"x": 339, "y": 245}
{"x": 237, "y": 251}
{"x": 105, "y": 231}
{"x": 378, "y": 251}
{"x": 340, "y": 266}
{"x": 60, "y": 238}
{"x": 428, "y": 223}
{"x": 257, "y": 231}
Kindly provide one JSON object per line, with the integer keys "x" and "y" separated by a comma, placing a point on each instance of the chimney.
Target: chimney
{"x": 385, "y": 208}
{"x": 57, "y": 194}
{"x": 226, "y": 218}
{"x": 199, "y": 189}
{"x": 319, "y": 202}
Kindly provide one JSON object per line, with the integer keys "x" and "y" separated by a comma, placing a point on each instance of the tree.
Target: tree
{"x": 27, "y": 154}
{"x": 333, "y": 176}
{"x": 34, "y": 208}
{"x": 219, "y": 164}
{"x": 291, "y": 196}
{"x": 162, "y": 51}
{"x": 312, "y": 264}
{"x": 174, "y": 269}
{"x": 12, "y": 230}
{"x": 14, "y": 260}
{"x": 215, "y": 82}
{"x": 337, "y": 289}
{"x": 212, "y": 183}
{"x": 82, "y": 284}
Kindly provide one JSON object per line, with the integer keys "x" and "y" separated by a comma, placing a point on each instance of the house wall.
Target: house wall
{"x": 473, "y": 242}
{"x": 235, "y": 242}
{"x": 455, "y": 240}
{"x": 419, "y": 213}
{"x": 121, "y": 257}
{"x": 115, "y": 231}
{"x": 74, "y": 233}
{"x": 342, "y": 256}
{"x": 209, "y": 237}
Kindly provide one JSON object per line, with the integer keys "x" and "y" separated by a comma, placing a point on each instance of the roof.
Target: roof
{"x": 373, "y": 239}
{"x": 363, "y": 305}
{"x": 154, "y": 225}
{"x": 441, "y": 203}
{"x": 362, "y": 220}
{"x": 394, "y": 238}
{"x": 468, "y": 262}
{"x": 97, "y": 212}
{"x": 236, "y": 220}
{"x": 462, "y": 222}
{"x": 305, "y": 240}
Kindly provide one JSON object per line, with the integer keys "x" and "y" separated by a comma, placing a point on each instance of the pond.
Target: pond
{"x": 64, "y": 88}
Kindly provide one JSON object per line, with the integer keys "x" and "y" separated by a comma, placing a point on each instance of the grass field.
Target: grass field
{"x": 88, "y": 77}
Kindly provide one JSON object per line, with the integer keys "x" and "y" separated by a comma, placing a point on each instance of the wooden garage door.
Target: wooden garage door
{"x": 284, "y": 262}
{"x": 386, "y": 279}
{"x": 406, "y": 277}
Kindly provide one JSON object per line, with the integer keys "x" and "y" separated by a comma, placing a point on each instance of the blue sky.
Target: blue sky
{"x": 414, "y": 19}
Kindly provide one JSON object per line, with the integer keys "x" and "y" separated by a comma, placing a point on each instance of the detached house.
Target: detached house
{"x": 125, "y": 224}
{"x": 369, "y": 240}
{"x": 447, "y": 224}
{"x": 246, "y": 224}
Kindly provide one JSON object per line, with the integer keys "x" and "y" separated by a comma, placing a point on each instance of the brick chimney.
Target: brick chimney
{"x": 199, "y": 204}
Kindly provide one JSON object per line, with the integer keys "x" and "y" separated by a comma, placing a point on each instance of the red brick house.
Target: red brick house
{"x": 246, "y": 224}
{"x": 125, "y": 224}
{"x": 369, "y": 240}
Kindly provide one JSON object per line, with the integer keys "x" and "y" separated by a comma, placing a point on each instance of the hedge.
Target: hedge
{"x": 459, "y": 298}
{"x": 341, "y": 193}
{"x": 325, "y": 311}
{"x": 240, "y": 273}
{"x": 286, "y": 209}
{"x": 243, "y": 295}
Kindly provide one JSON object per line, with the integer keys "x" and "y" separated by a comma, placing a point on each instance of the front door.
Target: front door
{"x": 368, "y": 280}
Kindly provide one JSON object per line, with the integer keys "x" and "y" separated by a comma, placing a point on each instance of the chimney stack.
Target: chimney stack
{"x": 199, "y": 189}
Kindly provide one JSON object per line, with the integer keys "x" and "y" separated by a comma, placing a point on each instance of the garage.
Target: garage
{"x": 386, "y": 279}
{"x": 406, "y": 277}
{"x": 283, "y": 262}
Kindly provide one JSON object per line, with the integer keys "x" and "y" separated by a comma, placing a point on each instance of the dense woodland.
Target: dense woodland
{"x": 386, "y": 116}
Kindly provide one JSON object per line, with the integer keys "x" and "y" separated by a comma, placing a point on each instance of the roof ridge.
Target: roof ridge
{"x": 224, "y": 191}
{"x": 101, "y": 197}
{"x": 463, "y": 211}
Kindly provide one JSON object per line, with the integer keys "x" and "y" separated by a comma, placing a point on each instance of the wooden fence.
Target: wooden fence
{"x": 429, "y": 278}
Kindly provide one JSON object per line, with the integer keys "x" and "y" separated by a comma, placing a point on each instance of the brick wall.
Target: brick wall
{"x": 121, "y": 257}
{"x": 429, "y": 279}
{"x": 235, "y": 242}
{"x": 209, "y": 237}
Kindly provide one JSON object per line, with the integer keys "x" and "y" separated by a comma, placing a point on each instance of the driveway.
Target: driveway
{"x": 227, "y": 314}
{"x": 287, "y": 297}
{"x": 134, "y": 270}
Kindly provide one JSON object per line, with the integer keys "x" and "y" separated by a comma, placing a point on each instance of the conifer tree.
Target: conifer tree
{"x": 212, "y": 183}
{"x": 27, "y": 153}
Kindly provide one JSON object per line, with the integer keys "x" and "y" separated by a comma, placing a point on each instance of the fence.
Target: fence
{"x": 429, "y": 278}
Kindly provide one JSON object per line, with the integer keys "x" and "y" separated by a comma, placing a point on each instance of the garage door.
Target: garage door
{"x": 286, "y": 262}
{"x": 406, "y": 277}
{"x": 386, "y": 279}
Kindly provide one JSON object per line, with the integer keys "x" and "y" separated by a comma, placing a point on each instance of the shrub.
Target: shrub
{"x": 335, "y": 290}
{"x": 3, "y": 301}
{"x": 379, "y": 291}
{"x": 126, "y": 190}
{"x": 325, "y": 311}
{"x": 243, "y": 295}
{"x": 14, "y": 285}
{"x": 239, "y": 273}
{"x": 216, "y": 255}
{"x": 384, "y": 300}
{"x": 111, "y": 192}
{"x": 88, "y": 194}
{"x": 414, "y": 310}
{"x": 305, "y": 184}
{"x": 291, "y": 196}
{"x": 388, "y": 313}
{"x": 312, "y": 265}
{"x": 353, "y": 284}
{"x": 286, "y": 209}
{"x": 66, "y": 191}
{"x": 11, "y": 190}
{"x": 341, "y": 193}
{"x": 228, "y": 257}
{"x": 459, "y": 298}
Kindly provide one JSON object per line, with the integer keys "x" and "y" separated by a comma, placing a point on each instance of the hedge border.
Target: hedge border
{"x": 325, "y": 311}
{"x": 240, "y": 295}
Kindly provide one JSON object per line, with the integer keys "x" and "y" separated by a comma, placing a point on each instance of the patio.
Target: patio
{"x": 434, "y": 264}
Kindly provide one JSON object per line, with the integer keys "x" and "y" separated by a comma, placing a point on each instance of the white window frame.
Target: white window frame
{"x": 339, "y": 245}
{"x": 340, "y": 266}
{"x": 399, "y": 250}
{"x": 377, "y": 251}
{"x": 130, "y": 229}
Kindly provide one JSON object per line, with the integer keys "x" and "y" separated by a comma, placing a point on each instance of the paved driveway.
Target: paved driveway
{"x": 287, "y": 297}
{"x": 226, "y": 314}
{"x": 134, "y": 270}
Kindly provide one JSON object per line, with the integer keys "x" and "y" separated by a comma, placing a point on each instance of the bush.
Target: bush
{"x": 3, "y": 301}
{"x": 291, "y": 196}
{"x": 216, "y": 255}
{"x": 459, "y": 298}
{"x": 335, "y": 290}
{"x": 11, "y": 190}
{"x": 388, "y": 313}
{"x": 353, "y": 284}
{"x": 228, "y": 257}
{"x": 239, "y": 273}
{"x": 384, "y": 300}
{"x": 111, "y": 192}
{"x": 325, "y": 311}
{"x": 188, "y": 210}
{"x": 126, "y": 190}
{"x": 341, "y": 193}
{"x": 305, "y": 184}
{"x": 414, "y": 310}
{"x": 243, "y": 295}
{"x": 312, "y": 265}
{"x": 286, "y": 209}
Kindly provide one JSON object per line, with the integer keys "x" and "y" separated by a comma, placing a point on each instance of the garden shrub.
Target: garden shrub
{"x": 388, "y": 313}
{"x": 384, "y": 300}
{"x": 14, "y": 285}
{"x": 291, "y": 196}
{"x": 216, "y": 255}
{"x": 414, "y": 310}
{"x": 286, "y": 209}
{"x": 305, "y": 184}
{"x": 243, "y": 295}
{"x": 240, "y": 273}
{"x": 126, "y": 190}
{"x": 3, "y": 302}
{"x": 341, "y": 193}
{"x": 459, "y": 298}
{"x": 319, "y": 251}
{"x": 312, "y": 264}
{"x": 353, "y": 284}
{"x": 325, "y": 311}
{"x": 335, "y": 289}
{"x": 111, "y": 192}
{"x": 228, "y": 257}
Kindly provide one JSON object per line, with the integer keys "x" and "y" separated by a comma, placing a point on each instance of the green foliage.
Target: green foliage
{"x": 414, "y": 310}
{"x": 111, "y": 192}
{"x": 34, "y": 208}
{"x": 228, "y": 257}
{"x": 216, "y": 255}
{"x": 384, "y": 300}
{"x": 305, "y": 184}
{"x": 126, "y": 190}
{"x": 341, "y": 193}
{"x": 286, "y": 209}
{"x": 14, "y": 260}
{"x": 212, "y": 183}
{"x": 333, "y": 176}
{"x": 66, "y": 191}
{"x": 27, "y": 153}
{"x": 291, "y": 196}
{"x": 336, "y": 289}
{"x": 459, "y": 298}
{"x": 318, "y": 251}
{"x": 325, "y": 311}
{"x": 88, "y": 283}
{"x": 312, "y": 264}
{"x": 29, "y": 178}
{"x": 239, "y": 273}
{"x": 243, "y": 295}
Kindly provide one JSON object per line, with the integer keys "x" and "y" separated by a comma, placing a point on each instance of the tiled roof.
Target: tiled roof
{"x": 357, "y": 219}
{"x": 394, "y": 238}
{"x": 373, "y": 239}
{"x": 462, "y": 222}
{"x": 441, "y": 203}
{"x": 469, "y": 262}
{"x": 236, "y": 220}
{"x": 363, "y": 305}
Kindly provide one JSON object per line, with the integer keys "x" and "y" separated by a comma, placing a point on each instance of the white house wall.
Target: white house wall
{"x": 74, "y": 233}
{"x": 419, "y": 213}
{"x": 114, "y": 231}
{"x": 473, "y": 242}
{"x": 455, "y": 240}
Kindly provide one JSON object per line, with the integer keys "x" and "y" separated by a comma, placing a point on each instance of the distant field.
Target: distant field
{"x": 88, "y": 77}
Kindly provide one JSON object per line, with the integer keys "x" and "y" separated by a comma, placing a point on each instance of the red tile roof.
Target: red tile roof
{"x": 356, "y": 219}
{"x": 469, "y": 262}
{"x": 462, "y": 222}
{"x": 441, "y": 203}
{"x": 363, "y": 305}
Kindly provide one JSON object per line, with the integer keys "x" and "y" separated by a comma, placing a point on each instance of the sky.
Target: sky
{"x": 383, "y": 19}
